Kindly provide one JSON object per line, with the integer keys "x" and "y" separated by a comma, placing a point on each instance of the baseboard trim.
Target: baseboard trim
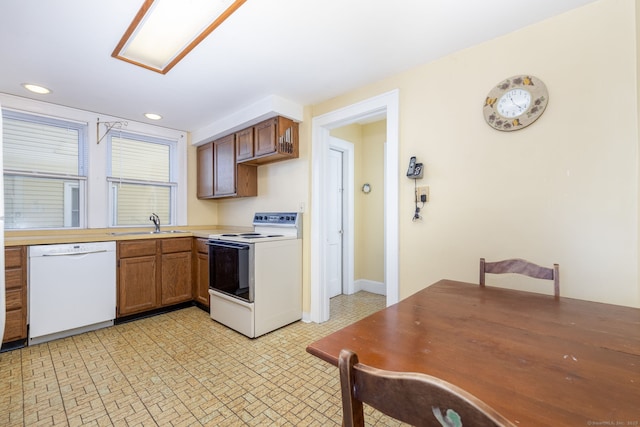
{"x": 370, "y": 286}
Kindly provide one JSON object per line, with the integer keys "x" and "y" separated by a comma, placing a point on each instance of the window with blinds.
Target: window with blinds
{"x": 45, "y": 171}
{"x": 141, "y": 179}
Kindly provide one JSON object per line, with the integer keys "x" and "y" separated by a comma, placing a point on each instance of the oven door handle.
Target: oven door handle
{"x": 238, "y": 246}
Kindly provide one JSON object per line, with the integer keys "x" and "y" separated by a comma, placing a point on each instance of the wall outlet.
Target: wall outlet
{"x": 423, "y": 191}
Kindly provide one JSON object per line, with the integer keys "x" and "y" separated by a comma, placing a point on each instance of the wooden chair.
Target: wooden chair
{"x": 521, "y": 266}
{"x": 417, "y": 399}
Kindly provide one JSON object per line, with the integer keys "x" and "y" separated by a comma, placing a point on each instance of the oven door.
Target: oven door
{"x": 231, "y": 269}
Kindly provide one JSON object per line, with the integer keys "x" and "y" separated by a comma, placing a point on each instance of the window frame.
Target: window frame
{"x": 96, "y": 194}
{"x": 79, "y": 180}
{"x": 172, "y": 184}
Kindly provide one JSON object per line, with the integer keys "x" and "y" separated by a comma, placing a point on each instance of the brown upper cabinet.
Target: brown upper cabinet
{"x": 224, "y": 166}
{"x": 218, "y": 174}
{"x": 205, "y": 171}
{"x": 269, "y": 141}
{"x": 244, "y": 144}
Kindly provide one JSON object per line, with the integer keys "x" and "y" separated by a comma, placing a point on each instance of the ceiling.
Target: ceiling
{"x": 304, "y": 51}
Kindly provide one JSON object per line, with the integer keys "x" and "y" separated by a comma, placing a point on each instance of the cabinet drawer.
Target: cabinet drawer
{"x": 14, "y": 299}
{"x": 13, "y": 278}
{"x": 13, "y": 257}
{"x": 136, "y": 248}
{"x": 201, "y": 246}
{"x": 180, "y": 244}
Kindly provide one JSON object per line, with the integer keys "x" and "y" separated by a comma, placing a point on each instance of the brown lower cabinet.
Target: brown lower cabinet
{"x": 201, "y": 272}
{"x": 176, "y": 270}
{"x": 15, "y": 275}
{"x": 153, "y": 273}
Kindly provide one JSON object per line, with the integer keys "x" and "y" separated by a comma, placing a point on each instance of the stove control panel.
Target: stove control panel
{"x": 286, "y": 219}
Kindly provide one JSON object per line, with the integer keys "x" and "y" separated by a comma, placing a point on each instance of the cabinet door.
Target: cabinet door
{"x": 205, "y": 171}
{"x": 201, "y": 273}
{"x": 244, "y": 144}
{"x": 224, "y": 166}
{"x": 176, "y": 278}
{"x": 137, "y": 290}
{"x": 265, "y": 137}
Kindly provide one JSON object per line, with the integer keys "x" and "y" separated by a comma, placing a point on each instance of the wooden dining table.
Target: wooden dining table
{"x": 537, "y": 360}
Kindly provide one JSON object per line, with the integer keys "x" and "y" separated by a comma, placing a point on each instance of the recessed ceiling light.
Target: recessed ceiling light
{"x": 36, "y": 89}
{"x": 152, "y": 116}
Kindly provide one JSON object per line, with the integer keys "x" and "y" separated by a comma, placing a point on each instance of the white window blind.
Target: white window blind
{"x": 44, "y": 171}
{"x": 141, "y": 179}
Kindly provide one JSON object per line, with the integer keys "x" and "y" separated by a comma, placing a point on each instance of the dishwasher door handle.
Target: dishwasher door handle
{"x": 76, "y": 253}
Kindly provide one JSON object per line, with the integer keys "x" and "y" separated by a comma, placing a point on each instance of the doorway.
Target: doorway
{"x": 385, "y": 105}
{"x": 340, "y": 217}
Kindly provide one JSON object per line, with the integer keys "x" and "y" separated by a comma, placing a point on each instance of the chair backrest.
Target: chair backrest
{"x": 521, "y": 266}
{"x": 416, "y": 399}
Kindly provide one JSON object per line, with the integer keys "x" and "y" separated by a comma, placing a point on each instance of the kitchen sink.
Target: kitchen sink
{"x": 140, "y": 233}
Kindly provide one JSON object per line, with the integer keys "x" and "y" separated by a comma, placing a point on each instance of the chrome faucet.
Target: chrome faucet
{"x": 156, "y": 221}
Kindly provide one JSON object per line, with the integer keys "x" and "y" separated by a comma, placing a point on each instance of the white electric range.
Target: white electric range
{"x": 267, "y": 227}
{"x": 255, "y": 279}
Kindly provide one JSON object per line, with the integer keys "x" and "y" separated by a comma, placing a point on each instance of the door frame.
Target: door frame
{"x": 348, "y": 224}
{"x": 381, "y": 105}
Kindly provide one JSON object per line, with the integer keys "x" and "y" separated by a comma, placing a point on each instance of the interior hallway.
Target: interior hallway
{"x": 180, "y": 369}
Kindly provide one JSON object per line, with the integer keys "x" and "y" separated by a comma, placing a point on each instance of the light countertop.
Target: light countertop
{"x": 44, "y": 237}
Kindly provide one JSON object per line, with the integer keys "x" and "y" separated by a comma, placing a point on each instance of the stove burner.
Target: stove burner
{"x": 261, "y": 236}
{"x": 250, "y": 234}
{"x": 229, "y": 235}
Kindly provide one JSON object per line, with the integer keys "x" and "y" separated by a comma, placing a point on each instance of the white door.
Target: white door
{"x": 335, "y": 197}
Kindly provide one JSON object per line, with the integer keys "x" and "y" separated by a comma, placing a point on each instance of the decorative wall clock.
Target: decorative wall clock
{"x": 515, "y": 103}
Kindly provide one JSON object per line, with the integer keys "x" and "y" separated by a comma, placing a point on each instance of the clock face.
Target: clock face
{"x": 515, "y": 103}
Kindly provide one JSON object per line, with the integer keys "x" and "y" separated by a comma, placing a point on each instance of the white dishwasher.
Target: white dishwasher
{"x": 72, "y": 289}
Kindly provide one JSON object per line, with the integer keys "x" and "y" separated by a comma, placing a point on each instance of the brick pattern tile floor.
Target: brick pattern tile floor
{"x": 181, "y": 369}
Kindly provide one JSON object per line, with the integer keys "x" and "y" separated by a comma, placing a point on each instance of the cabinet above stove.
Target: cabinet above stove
{"x": 227, "y": 165}
{"x": 269, "y": 141}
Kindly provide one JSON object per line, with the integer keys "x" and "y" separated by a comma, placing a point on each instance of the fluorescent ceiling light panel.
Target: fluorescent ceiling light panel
{"x": 165, "y": 31}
